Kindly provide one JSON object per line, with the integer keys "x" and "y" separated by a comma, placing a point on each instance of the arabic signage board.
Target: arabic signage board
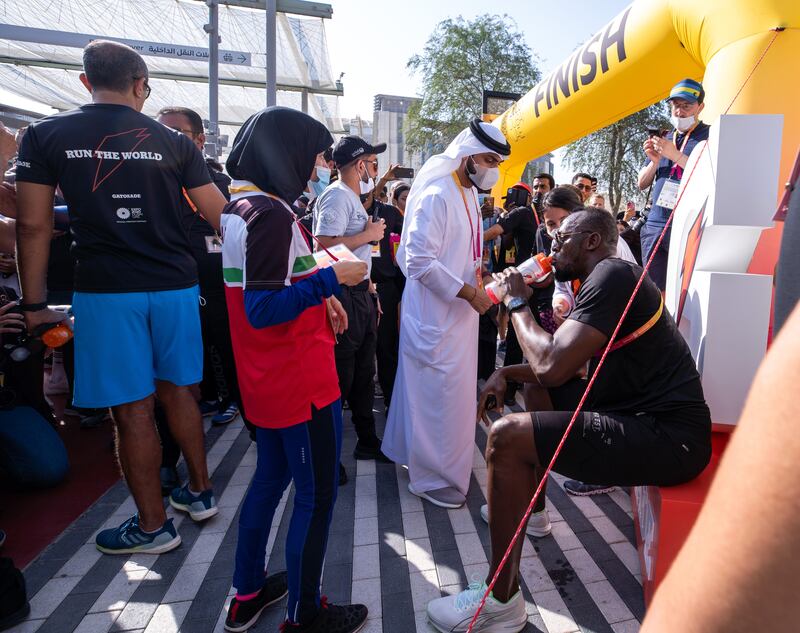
{"x": 156, "y": 49}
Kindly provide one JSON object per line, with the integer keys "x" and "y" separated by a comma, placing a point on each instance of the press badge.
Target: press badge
{"x": 376, "y": 250}
{"x": 669, "y": 194}
{"x": 213, "y": 244}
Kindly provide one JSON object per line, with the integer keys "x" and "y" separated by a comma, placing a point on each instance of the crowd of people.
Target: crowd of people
{"x": 198, "y": 292}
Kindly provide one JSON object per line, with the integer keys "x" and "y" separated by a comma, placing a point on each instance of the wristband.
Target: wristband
{"x": 517, "y": 303}
{"x": 33, "y": 307}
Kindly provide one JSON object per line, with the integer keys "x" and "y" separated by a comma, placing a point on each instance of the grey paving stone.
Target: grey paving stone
{"x": 449, "y": 568}
{"x": 394, "y": 577}
{"x": 398, "y": 613}
{"x": 336, "y": 582}
{"x": 69, "y": 613}
{"x": 97, "y": 578}
{"x": 617, "y": 516}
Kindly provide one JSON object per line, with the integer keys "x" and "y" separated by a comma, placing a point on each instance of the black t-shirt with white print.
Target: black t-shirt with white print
{"x": 121, "y": 174}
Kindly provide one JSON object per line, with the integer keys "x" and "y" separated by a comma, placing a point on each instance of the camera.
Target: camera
{"x": 641, "y": 220}
{"x": 538, "y": 199}
{"x": 516, "y": 198}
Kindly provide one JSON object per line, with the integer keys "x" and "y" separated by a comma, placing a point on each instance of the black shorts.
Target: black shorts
{"x": 623, "y": 449}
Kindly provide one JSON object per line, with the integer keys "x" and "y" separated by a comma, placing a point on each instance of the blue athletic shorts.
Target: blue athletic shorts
{"x": 126, "y": 341}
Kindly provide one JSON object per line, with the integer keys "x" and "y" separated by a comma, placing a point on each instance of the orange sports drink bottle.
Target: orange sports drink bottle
{"x": 534, "y": 269}
{"x": 57, "y": 335}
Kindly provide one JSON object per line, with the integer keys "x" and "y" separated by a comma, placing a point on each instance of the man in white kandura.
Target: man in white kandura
{"x": 431, "y": 425}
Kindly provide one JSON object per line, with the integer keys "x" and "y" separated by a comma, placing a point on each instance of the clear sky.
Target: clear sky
{"x": 371, "y": 40}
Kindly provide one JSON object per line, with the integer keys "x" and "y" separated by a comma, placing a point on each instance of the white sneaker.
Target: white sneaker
{"x": 538, "y": 522}
{"x": 452, "y": 614}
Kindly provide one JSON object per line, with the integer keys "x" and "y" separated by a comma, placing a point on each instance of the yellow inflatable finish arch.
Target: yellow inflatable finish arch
{"x": 635, "y": 60}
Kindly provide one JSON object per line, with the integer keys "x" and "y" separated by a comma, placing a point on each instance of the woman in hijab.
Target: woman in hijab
{"x": 282, "y": 317}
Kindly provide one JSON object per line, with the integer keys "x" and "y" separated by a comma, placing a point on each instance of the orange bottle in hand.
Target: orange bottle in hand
{"x": 534, "y": 269}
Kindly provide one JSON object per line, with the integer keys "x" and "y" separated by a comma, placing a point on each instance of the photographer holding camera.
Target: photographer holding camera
{"x": 668, "y": 156}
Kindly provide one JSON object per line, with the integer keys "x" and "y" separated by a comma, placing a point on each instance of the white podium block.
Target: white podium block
{"x": 725, "y": 322}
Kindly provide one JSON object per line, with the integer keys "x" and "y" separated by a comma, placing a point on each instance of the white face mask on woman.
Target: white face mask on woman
{"x": 483, "y": 177}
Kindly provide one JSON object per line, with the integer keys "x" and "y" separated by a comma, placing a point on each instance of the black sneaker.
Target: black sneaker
{"x": 244, "y": 614}
{"x": 342, "y": 475}
{"x": 580, "y": 489}
{"x": 371, "y": 450}
{"x": 332, "y": 618}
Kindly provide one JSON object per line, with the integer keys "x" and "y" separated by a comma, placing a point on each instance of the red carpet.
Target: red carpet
{"x": 32, "y": 519}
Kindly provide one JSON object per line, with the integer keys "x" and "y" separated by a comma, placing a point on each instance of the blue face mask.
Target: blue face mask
{"x": 318, "y": 186}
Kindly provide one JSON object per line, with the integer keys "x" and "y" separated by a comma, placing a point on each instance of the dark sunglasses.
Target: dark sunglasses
{"x": 559, "y": 237}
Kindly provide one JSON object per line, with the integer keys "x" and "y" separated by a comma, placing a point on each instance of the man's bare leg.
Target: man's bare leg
{"x": 186, "y": 426}
{"x": 139, "y": 453}
{"x": 513, "y": 466}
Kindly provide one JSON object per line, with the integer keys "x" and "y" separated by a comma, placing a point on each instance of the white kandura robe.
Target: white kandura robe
{"x": 431, "y": 425}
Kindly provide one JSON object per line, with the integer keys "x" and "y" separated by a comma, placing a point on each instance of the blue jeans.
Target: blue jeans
{"x": 31, "y": 452}
{"x": 307, "y": 453}
{"x": 658, "y": 269}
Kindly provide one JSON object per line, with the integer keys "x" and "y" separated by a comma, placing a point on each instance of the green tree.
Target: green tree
{"x": 462, "y": 59}
{"x": 614, "y": 154}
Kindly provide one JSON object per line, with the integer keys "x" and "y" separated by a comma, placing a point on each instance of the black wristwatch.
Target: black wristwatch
{"x": 517, "y": 303}
{"x": 33, "y": 307}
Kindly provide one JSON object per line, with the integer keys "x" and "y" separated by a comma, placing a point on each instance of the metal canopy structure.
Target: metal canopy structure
{"x": 40, "y": 54}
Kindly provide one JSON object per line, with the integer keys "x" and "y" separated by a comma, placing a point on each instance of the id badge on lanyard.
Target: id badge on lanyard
{"x": 668, "y": 197}
{"x": 669, "y": 194}
{"x": 474, "y": 233}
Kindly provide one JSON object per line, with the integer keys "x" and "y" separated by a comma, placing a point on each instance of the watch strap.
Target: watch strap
{"x": 33, "y": 307}
{"x": 517, "y": 303}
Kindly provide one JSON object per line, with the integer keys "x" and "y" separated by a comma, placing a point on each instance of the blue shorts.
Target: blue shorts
{"x": 126, "y": 341}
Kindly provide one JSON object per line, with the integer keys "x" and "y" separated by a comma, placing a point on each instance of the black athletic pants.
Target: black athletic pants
{"x": 355, "y": 358}
{"x": 388, "y": 341}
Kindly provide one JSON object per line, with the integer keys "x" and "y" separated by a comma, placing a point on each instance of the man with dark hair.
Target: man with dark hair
{"x": 340, "y": 218}
{"x": 137, "y": 327}
{"x": 645, "y": 421}
{"x": 583, "y": 182}
{"x": 667, "y": 158}
{"x": 187, "y": 122}
{"x": 542, "y": 183}
{"x": 111, "y": 67}
{"x": 220, "y": 387}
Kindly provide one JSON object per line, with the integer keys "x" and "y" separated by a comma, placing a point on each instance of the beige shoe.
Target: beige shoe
{"x": 443, "y": 497}
{"x": 538, "y": 522}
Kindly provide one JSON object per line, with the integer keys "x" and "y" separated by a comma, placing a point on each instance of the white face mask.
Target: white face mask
{"x": 683, "y": 123}
{"x": 367, "y": 182}
{"x": 368, "y": 186}
{"x": 484, "y": 177}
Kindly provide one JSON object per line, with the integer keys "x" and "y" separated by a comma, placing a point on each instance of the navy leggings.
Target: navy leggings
{"x": 307, "y": 453}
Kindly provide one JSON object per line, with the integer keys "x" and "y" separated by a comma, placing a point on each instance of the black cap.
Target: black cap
{"x": 349, "y": 148}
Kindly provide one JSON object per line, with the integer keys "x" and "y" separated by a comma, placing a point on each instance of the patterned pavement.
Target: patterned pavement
{"x": 387, "y": 549}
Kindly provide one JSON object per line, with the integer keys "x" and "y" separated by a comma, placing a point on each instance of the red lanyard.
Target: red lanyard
{"x": 676, "y": 167}
{"x": 476, "y": 247}
{"x": 314, "y": 237}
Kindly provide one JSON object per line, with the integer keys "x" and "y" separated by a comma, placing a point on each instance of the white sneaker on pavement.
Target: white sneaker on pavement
{"x": 452, "y": 614}
{"x": 538, "y": 522}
